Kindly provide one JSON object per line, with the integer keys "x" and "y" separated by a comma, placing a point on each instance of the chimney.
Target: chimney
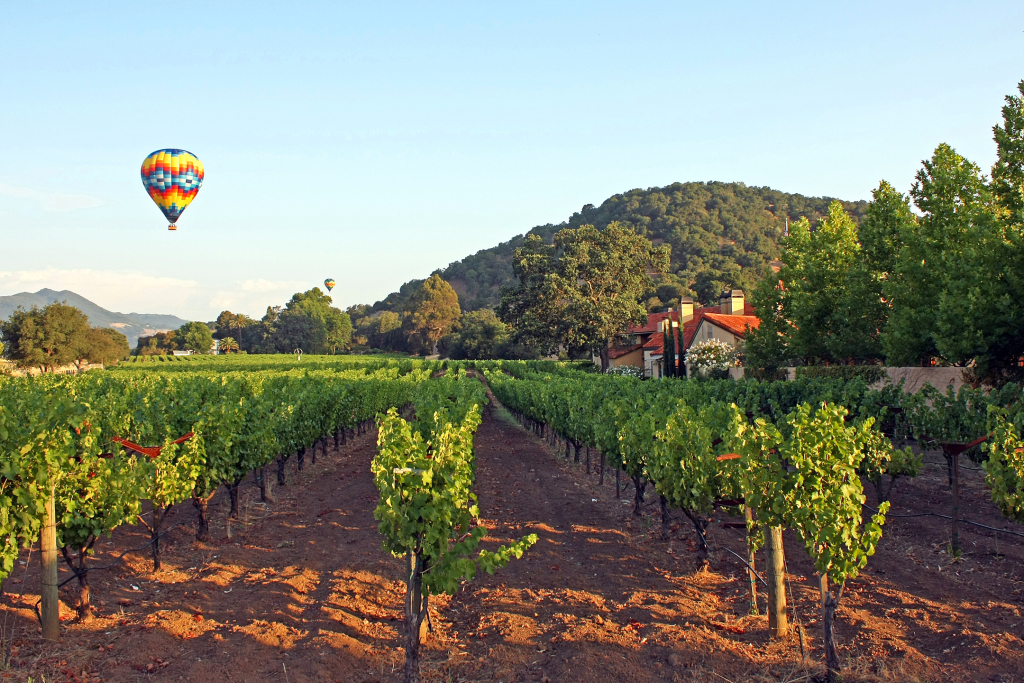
{"x": 731, "y": 302}
{"x": 685, "y": 310}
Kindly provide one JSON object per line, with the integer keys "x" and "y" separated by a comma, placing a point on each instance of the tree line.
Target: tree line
{"x": 57, "y": 335}
{"x": 720, "y": 236}
{"x": 933, "y": 277}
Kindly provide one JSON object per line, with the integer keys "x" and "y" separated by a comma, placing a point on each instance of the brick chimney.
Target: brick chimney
{"x": 731, "y": 302}
{"x": 685, "y": 310}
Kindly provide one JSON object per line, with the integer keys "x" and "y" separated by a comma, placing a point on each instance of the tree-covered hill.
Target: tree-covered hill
{"x": 723, "y": 235}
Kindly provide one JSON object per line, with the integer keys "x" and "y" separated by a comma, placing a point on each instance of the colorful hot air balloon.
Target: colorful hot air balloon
{"x": 172, "y": 178}
{"x": 329, "y": 284}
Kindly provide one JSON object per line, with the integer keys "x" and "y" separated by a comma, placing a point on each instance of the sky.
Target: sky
{"x": 374, "y": 143}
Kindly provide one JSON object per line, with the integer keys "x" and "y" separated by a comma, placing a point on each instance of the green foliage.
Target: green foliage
{"x": 869, "y": 373}
{"x": 427, "y": 511}
{"x": 481, "y": 336}
{"x": 1004, "y": 470}
{"x": 290, "y": 332}
{"x": 721, "y": 236}
{"x": 427, "y": 506}
{"x": 581, "y": 291}
{"x": 433, "y": 312}
{"x": 195, "y": 337}
{"x": 882, "y": 460}
{"x": 47, "y": 337}
{"x": 766, "y": 347}
{"x": 105, "y": 345}
{"x": 803, "y": 475}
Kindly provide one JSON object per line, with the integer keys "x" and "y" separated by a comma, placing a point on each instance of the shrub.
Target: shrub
{"x": 712, "y": 358}
{"x": 869, "y": 373}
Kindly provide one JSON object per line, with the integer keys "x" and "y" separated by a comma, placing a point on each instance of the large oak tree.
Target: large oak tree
{"x": 580, "y": 291}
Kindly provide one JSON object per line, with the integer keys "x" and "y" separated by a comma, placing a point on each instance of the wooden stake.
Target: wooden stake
{"x": 50, "y": 599}
{"x": 775, "y": 573}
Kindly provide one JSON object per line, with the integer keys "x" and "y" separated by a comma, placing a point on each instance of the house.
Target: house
{"x": 643, "y": 346}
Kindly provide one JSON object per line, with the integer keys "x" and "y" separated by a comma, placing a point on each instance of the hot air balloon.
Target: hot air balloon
{"x": 172, "y": 177}
{"x": 329, "y": 284}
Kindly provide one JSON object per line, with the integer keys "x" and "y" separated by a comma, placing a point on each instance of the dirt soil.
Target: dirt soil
{"x": 300, "y": 591}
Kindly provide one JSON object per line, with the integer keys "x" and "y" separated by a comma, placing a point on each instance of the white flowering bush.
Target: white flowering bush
{"x": 711, "y": 356}
{"x": 626, "y": 371}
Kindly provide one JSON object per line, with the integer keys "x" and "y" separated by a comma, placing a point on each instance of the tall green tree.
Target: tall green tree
{"x": 433, "y": 312}
{"x": 981, "y": 309}
{"x": 588, "y": 286}
{"x": 315, "y": 304}
{"x": 766, "y": 347}
{"x": 816, "y": 276}
{"x": 195, "y": 336}
{"x": 481, "y": 337}
{"x": 292, "y": 332}
{"x": 105, "y": 345}
{"x": 955, "y": 201}
{"x": 47, "y": 337}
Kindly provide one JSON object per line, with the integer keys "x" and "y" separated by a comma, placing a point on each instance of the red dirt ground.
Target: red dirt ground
{"x": 301, "y": 591}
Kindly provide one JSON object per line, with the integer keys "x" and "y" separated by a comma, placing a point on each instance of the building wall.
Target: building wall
{"x": 634, "y": 358}
{"x": 708, "y": 330}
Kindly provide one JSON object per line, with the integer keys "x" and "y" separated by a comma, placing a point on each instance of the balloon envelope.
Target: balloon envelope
{"x": 172, "y": 178}
{"x": 329, "y": 284}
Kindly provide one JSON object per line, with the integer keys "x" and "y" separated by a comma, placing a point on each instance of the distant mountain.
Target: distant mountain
{"x": 131, "y": 325}
{"x": 722, "y": 236}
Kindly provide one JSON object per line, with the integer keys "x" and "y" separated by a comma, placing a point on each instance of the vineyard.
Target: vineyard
{"x": 223, "y": 516}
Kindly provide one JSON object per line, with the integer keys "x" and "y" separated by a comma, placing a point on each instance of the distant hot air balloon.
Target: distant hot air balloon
{"x": 329, "y": 284}
{"x": 172, "y": 178}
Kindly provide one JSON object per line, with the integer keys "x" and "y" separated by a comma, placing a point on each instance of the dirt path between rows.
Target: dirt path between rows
{"x": 302, "y": 592}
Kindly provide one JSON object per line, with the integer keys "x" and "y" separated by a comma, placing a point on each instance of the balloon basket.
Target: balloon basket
{"x": 172, "y": 227}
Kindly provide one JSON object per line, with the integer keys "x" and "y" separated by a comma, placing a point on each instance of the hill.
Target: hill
{"x": 723, "y": 236}
{"x": 131, "y": 325}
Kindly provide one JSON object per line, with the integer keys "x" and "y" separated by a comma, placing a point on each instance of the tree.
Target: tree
{"x": 722, "y": 236}
{"x": 195, "y": 337}
{"x": 952, "y": 195}
{"x": 296, "y": 332}
{"x": 105, "y": 345}
{"x": 158, "y": 344}
{"x": 980, "y": 308}
{"x": 228, "y": 344}
{"x": 582, "y": 290}
{"x": 228, "y": 322}
{"x": 481, "y": 337}
{"x": 816, "y": 274}
{"x": 386, "y": 331}
{"x": 315, "y": 304}
{"x": 47, "y": 337}
{"x": 766, "y": 347}
{"x": 433, "y": 312}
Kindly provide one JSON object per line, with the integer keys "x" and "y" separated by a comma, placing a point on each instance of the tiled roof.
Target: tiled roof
{"x": 653, "y": 323}
{"x": 737, "y": 324}
{"x": 656, "y": 342}
{"x": 618, "y": 353}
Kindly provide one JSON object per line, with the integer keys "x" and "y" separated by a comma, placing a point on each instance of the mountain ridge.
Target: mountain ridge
{"x": 132, "y": 325}
{"x": 723, "y": 236}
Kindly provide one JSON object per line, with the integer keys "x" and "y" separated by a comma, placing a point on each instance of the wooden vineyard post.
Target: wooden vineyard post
{"x": 50, "y": 599}
{"x": 775, "y": 573}
{"x": 952, "y": 452}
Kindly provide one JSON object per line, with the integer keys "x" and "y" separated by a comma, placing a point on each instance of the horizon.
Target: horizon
{"x": 376, "y": 145}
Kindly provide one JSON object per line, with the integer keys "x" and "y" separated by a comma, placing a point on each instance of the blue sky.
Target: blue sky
{"x": 376, "y": 142}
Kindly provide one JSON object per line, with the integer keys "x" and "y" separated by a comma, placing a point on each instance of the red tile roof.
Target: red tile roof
{"x": 618, "y": 353}
{"x": 737, "y": 324}
{"x": 656, "y": 343}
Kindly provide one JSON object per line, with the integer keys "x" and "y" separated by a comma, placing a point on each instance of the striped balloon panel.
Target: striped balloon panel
{"x": 172, "y": 178}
